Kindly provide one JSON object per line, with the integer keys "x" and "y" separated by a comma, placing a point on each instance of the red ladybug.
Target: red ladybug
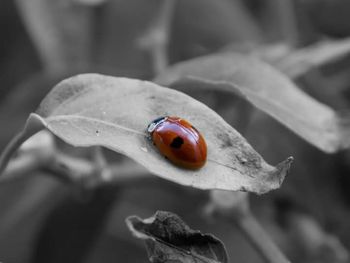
{"x": 179, "y": 142}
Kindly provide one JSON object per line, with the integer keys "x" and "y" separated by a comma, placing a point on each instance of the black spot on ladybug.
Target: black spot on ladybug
{"x": 177, "y": 142}
{"x": 166, "y": 157}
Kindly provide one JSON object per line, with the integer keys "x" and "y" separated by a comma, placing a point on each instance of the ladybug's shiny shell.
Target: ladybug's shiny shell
{"x": 179, "y": 141}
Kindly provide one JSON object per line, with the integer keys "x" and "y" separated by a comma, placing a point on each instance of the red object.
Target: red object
{"x": 179, "y": 141}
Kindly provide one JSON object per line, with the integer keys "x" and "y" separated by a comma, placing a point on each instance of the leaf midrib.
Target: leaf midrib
{"x": 71, "y": 117}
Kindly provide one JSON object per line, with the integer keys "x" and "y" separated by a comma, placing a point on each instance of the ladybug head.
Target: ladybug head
{"x": 151, "y": 127}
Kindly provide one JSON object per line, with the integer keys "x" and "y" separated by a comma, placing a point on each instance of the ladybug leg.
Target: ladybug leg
{"x": 149, "y": 137}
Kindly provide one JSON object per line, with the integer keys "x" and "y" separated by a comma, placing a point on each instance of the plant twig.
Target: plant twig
{"x": 233, "y": 207}
{"x": 32, "y": 127}
{"x": 259, "y": 238}
{"x": 84, "y": 172}
{"x": 309, "y": 235}
{"x": 100, "y": 163}
{"x": 156, "y": 39}
{"x": 10, "y": 149}
{"x": 289, "y": 27}
{"x": 40, "y": 153}
{"x": 60, "y": 30}
{"x": 74, "y": 170}
{"x": 21, "y": 165}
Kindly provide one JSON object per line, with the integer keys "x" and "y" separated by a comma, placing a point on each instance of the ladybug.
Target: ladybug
{"x": 178, "y": 141}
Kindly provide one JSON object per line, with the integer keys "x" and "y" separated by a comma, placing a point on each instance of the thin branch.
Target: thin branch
{"x": 259, "y": 239}
{"x": 234, "y": 209}
{"x": 100, "y": 163}
{"x": 60, "y": 31}
{"x": 99, "y": 157}
{"x": 74, "y": 170}
{"x": 10, "y": 149}
{"x": 288, "y": 23}
{"x": 301, "y": 61}
{"x": 156, "y": 39}
{"x": 310, "y": 236}
{"x": 40, "y": 153}
{"x": 19, "y": 166}
{"x": 85, "y": 173}
{"x": 32, "y": 127}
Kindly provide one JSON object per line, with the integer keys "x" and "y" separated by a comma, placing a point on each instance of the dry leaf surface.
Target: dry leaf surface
{"x": 93, "y": 109}
{"x": 169, "y": 239}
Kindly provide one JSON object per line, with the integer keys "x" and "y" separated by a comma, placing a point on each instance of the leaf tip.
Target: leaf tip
{"x": 276, "y": 177}
{"x": 284, "y": 167}
{"x": 132, "y": 223}
{"x": 289, "y": 160}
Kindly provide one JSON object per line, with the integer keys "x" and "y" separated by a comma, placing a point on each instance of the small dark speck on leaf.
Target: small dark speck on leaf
{"x": 243, "y": 161}
{"x": 226, "y": 140}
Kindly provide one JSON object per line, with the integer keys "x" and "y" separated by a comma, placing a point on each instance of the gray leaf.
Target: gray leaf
{"x": 169, "y": 239}
{"x": 91, "y": 109}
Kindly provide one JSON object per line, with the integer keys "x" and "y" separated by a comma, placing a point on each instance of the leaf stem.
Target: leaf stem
{"x": 289, "y": 27}
{"x": 84, "y": 172}
{"x": 233, "y": 207}
{"x": 33, "y": 125}
{"x": 49, "y": 25}
{"x": 67, "y": 168}
{"x": 260, "y": 239}
{"x": 156, "y": 39}
{"x": 9, "y": 150}
{"x": 21, "y": 165}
